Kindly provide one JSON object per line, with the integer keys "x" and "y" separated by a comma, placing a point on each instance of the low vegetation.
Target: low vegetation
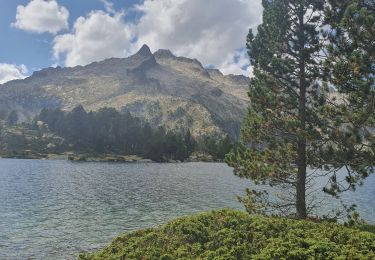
{"x": 230, "y": 234}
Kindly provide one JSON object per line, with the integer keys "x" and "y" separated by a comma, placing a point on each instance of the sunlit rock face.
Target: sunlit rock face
{"x": 174, "y": 92}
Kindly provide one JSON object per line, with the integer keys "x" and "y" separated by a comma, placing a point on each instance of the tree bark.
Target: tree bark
{"x": 301, "y": 143}
{"x": 301, "y": 182}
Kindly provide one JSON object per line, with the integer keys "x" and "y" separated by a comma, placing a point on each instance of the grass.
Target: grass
{"x": 231, "y": 234}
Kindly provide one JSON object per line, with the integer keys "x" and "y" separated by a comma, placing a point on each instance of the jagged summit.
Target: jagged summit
{"x": 143, "y": 56}
{"x": 163, "y": 53}
{"x": 161, "y": 88}
{"x": 144, "y": 51}
{"x": 46, "y": 71}
{"x": 215, "y": 71}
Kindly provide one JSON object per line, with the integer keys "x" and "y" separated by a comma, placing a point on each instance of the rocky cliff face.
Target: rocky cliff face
{"x": 170, "y": 91}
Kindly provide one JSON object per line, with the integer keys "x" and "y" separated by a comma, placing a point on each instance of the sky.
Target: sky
{"x": 36, "y": 34}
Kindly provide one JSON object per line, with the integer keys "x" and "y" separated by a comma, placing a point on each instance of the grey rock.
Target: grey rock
{"x": 166, "y": 90}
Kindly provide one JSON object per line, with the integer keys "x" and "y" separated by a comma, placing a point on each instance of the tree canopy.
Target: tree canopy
{"x": 312, "y": 102}
{"x": 110, "y": 131}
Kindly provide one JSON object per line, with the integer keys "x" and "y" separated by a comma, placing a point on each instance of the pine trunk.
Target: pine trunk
{"x": 301, "y": 145}
{"x": 301, "y": 184}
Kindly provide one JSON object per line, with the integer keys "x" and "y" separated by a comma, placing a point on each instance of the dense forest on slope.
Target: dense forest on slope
{"x": 106, "y": 131}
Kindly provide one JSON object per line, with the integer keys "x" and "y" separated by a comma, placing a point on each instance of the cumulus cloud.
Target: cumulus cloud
{"x": 237, "y": 64}
{"x": 108, "y": 6}
{"x": 41, "y": 16}
{"x": 98, "y": 36}
{"x": 213, "y": 31}
{"x": 209, "y": 30}
{"x": 11, "y": 71}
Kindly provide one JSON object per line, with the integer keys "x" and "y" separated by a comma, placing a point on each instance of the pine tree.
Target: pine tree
{"x": 290, "y": 125}
{"x": 3, "y": 114}
{"x": 77, "y": 128}
{"x": 350, "y": 68}
{"x": 12, "y": 117}
{"x": 189, "y": 142}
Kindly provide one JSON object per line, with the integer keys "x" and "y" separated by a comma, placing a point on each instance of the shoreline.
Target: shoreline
{"x": 74, "y": 157}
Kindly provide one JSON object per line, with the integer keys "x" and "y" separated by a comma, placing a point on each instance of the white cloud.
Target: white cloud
{"x": 237, "y": 64}
{"x": 213, "y": 31}
{"x": 11, "y": 71}
{"x": 108, "y": 6}
{"x": 95, "y": 37}
{"x": 209, "y": 30}
{"x": 41, "y": 16}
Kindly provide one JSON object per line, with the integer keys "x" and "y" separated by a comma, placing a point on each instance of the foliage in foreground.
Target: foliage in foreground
{"x": 230, "y": 234}
{"x": 312, "y": 103}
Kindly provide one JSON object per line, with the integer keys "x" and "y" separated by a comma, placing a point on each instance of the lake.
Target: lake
{"x": 56, "y": 209}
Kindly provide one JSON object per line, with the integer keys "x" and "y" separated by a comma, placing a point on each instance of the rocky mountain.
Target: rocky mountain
{"x": 165, "y": 90}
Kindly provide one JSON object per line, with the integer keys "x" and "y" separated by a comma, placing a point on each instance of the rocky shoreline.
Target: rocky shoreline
{"x": 83, "y": 157}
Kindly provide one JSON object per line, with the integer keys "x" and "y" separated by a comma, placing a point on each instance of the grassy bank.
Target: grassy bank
{"x": 229, "y": 234}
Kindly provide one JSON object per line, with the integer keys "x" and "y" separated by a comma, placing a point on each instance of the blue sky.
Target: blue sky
{"x": 34, "y": 50}
{"x": 42, "y": 33}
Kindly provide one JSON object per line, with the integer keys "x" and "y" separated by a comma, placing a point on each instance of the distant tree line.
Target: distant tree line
{"x": 10, "y": 117}
{"x": 110, "y": 131}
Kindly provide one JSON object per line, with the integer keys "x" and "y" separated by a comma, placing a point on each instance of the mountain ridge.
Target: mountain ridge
{"x": 164, "y": 89}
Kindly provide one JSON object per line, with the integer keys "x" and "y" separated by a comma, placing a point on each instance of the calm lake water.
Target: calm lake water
{"x": 56, "y": 209}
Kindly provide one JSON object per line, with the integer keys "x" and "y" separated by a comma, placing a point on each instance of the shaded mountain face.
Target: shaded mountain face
{"x": 174, "y": 92}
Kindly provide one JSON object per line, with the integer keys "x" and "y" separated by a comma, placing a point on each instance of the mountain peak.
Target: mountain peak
{"x": 144, "y": 51}
{"x": 162, "y": 53}
{"x": 215, "y": 72}
{"x": 143, "y": 57}
{"x": 168, "y": 91}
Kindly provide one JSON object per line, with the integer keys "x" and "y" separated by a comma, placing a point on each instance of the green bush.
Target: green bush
{"x": 230, "y": 234}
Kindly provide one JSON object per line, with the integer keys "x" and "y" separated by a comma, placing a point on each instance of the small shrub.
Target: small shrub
{"x": 230, "y": 234}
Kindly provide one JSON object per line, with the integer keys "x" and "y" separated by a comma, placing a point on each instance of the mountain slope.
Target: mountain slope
{"x": 166, "y": 90}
